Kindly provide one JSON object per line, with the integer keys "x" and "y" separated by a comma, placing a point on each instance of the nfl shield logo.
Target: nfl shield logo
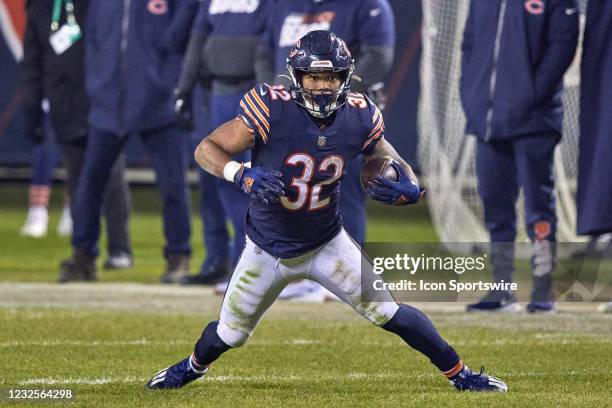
{"x": 321, "y": 141}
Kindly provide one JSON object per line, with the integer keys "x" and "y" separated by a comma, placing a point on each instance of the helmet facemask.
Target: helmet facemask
{"x": 320, "y": 103}
{"x": 320, "y": 51}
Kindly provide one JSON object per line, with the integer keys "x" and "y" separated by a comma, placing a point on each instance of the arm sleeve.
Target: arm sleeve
{"x": 177, "y": 34}
{"x": 201, "y": 22}
{"x": 264, "y": 55}
{"x": 373, "y": 64}
{"x": 376, "y": 34}
{"x": 255, "y": 112}
{"x": 377, "y": 128}
{"x": 562, "y": 39}
{"x": 376, "y": 24}
{"x": 192, "y": 68}
{"x": 32, "y": 78}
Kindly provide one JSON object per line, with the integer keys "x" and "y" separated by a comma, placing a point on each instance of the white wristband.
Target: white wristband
{"x": 230, "y": 170}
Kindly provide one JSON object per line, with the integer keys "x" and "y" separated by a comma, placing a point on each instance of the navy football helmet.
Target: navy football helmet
{"x": 320, "y": 51}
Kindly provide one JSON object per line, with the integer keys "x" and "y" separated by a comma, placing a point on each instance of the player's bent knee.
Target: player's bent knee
{"x": 378, "y": 313}
{"x": 232, "y": 337}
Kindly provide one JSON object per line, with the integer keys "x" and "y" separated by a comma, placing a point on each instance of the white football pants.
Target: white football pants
{"x": 259, "y": 277}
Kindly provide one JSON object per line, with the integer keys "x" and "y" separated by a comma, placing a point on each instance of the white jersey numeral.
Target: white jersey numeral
{"x": 301, "y": 183}
{"x": 279, "y": 92}
{"x": 338, "y": 164}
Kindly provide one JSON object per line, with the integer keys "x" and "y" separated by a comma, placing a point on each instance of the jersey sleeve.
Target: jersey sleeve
{"x": 376, "y": 126}
{"x": 201, "y": 23}
{"x": 254, "y": 110}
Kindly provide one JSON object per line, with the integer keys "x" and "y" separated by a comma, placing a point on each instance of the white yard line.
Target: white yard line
{"x": 561, "y": 339}
{"x": 118, "y": 343}
{"x": 353, "y": 376}
{"x": 155, "y": 296}
{"x": 214, "y": 378}
{"x": 30, "y": 300}
{"x": 143, "y": 342}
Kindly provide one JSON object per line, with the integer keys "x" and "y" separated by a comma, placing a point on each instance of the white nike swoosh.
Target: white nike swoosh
{"x": 375, "y": 12}
{"x": 570, "y": 11}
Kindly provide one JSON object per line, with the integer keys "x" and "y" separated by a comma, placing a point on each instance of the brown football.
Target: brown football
{"x": 378, "y": 166}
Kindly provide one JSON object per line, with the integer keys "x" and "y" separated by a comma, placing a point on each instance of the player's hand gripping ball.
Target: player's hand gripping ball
{"x": 386, "y": 181}
{"x": 378, "y": 166}
{"x": 265, "y": 184}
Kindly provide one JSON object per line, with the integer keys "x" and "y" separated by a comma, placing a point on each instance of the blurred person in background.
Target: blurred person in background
{"x": 368, "y": 27}
{"x": 221, "y": 58}
{"x": 515, "y": 54}
{"x": 594, "y": 195}
{"x": 131, "y": 67}
{"x": 44, "y": 159}
{"x": 53, "y": 72}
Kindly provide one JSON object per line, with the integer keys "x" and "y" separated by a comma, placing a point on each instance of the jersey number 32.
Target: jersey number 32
{"x": 307, "y": 194}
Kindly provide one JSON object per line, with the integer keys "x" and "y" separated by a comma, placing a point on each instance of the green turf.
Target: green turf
{"x": 28, "y": 259}
{"x": 301, "y": 355}
{"x": 105, "y": 340}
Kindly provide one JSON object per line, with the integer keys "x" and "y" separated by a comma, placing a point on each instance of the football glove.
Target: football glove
{"x": 183, "y": 109}
{"x": 262, "y": 183}
{"x": 401, "y": 192}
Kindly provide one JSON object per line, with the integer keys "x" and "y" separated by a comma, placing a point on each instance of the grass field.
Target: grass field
{"x": 36, "y": 260}
{"x": 105, "y": 340}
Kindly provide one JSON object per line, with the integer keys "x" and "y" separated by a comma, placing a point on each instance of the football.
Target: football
{"x": 378, "y": 166}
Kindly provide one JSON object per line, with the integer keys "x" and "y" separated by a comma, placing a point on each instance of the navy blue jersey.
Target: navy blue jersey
{"x": 358, "y": 22}
{"x": 312, "y": 161}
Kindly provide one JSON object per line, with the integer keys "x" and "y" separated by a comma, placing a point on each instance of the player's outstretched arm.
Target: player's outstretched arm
{"x": 401, "y": 192}
{"x": 216, "y": 150}
{"x": 214, "y": 154}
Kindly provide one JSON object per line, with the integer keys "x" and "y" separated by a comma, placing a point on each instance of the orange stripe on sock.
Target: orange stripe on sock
{"x": 39, "y": 195}
{"x": 194, "y": 360}
{"x": 455, "y": 370}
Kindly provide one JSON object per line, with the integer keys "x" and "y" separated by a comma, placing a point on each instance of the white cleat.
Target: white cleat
{"x": 64, "y": 227}
{"x": 36, "y": 222}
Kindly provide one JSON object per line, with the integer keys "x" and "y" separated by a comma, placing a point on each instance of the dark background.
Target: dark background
{"x": 400, "y": 116}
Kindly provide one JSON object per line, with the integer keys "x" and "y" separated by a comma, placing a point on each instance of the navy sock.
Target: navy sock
{"x": 419, "y": 333}
{"x": 210, "y": 346}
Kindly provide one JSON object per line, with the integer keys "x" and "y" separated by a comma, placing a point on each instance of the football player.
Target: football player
{"x": 368, "y": 27}
{"x": 301, "y": 140}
